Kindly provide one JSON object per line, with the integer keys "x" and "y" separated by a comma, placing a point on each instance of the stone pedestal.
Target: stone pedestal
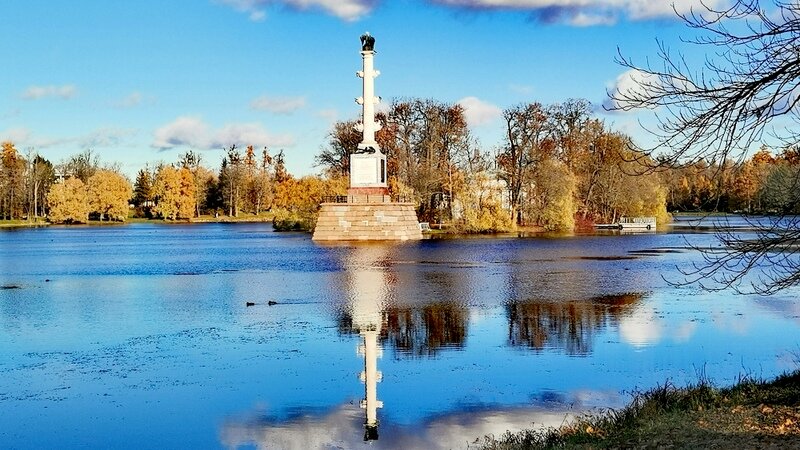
{"x": 372, "y": 221}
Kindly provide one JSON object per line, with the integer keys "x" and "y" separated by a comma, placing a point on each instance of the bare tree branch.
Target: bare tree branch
{"x": 746, "y": 92}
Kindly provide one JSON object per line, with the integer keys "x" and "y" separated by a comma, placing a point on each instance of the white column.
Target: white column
{"x": 368, "y": 163}
{"x": 368, "y": 100}
{"x": 370, "y": 377}
{"x": 368, "y": 296}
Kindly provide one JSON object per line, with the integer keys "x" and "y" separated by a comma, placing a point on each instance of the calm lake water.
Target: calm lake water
{"x": 141, "y": 336}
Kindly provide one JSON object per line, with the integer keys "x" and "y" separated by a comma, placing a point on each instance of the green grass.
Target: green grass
{"x": 750, "y": 414}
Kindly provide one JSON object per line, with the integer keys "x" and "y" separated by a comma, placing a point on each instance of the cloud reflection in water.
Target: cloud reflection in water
{"x": 338, "y": 429}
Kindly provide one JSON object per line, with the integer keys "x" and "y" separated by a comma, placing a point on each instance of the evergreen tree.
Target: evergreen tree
{"x": 143, "y": 188}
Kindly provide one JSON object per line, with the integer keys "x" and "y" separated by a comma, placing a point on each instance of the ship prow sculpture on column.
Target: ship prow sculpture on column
{"x": 369, "y": 214}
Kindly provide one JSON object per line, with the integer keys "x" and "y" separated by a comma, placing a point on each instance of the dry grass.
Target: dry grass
{"x": 751, "y": 414}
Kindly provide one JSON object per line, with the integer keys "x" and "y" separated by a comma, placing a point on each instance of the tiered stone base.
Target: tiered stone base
{"x": 375, "y": 221}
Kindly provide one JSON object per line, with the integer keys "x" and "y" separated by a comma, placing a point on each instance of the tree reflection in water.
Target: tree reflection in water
{"x": 419, "y": 331}
{"x": 424, "y": 331}
{"x": 566, "y": 325}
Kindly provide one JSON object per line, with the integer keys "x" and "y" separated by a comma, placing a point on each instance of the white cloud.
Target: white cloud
{"x": 193, "y": 132}
{"x": 628, "y": 86}
{"x": 99, "y": 138}
{"x": 11, "y": 113}
{"x": 479, "y": 112}
{"x": 572, "y": 12}
{"x": 588, "y": 20}
{"x": 647, "y": 9}
{"x": 65, "y": 92}
{"x": 133, "y": 100}
{"x": 684, "y": 332}
{"x": 254, "y": 8}
{"x": 247, "y": 134}
{"x": 330, "y": 115}
{"x": 183, "y": 131}
{"x": 589, "y": 12}
{"x": 349, "y": 10}
{"x": 106, "y": 137}
{"x": 643, "y": 328}
{"x": 521, "y": 89}
{"x": 278, "y": 105}
{"x": 19, "y": 136}
{"x": 343, "y": 427}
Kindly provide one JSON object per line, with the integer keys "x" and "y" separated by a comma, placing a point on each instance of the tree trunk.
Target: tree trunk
{"x": 36, "y": 199}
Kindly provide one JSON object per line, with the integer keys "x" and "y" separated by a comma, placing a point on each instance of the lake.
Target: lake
{"x": 140, "y": 336}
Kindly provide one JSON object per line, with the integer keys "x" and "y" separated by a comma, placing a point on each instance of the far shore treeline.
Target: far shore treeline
{"x": 557, "y": 168}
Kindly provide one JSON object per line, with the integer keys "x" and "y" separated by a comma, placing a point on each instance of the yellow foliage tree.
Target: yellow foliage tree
{"x": 553, "y": 205}
{"x": 336, "y": 185}
{"x": 297, "y": 200}
{"x": 12, "y": 182}
{"x": 109, "y": 193}
{"x": 646, "y": 196}
{"x": 480, "y": 206}
{"x": 187, "y": 194}
{"x": 203, "y": 179}
{"x": 400, "y": 190}
{"x": 175, "y": 193}
{"x": 69, "y": 202}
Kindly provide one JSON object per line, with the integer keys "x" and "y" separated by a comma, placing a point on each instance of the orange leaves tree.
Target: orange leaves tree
{"x": 12, "y": 184}
{"x": 109, "y": 193}
{"x": 175, "y": 193}
{"x": 296, "y": 202}
{"x": 69, "y": 201}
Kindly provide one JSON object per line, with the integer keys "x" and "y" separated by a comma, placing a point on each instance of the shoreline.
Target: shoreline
{"x": 97, "y": 223}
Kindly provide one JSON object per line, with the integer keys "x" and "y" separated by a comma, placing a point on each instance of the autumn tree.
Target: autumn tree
{"x": 480, "y": 207}
{"x": 421, "y": 139}
{"x": 175, "y": 193}
{"x": 551, "y": 196}
{"x": 780, "y": 192}
{"x": 231, "y": 178}
{"x": 82, "y": 165}
{"x": 69, "y": 202}
{"x": 343, "y": 140}
{"x": 187, "y": 194}
{"x": 257, "y": 180}
{"x": 527, "y": 142}
{"x": 598, "y": 150}
{"x": 40, "y": 176}
{"x": 297, "y": 200}
{"x": 281, "y": 173}
{"x": 745, "y": 187}
{"x": 12, "y": 182}
{"x": 108, "y": 194}
{"x": 260, "y": 188}
{"x": 204, "y": 180}
{"x": 573, "y": 130}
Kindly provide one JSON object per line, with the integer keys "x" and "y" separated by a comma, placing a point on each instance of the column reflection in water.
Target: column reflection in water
{"x": 368, "y": 289}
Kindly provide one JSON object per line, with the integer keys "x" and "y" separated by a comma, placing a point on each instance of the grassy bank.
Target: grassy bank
{"x": 22, "y": 223}
{"x": 751, "y": 414}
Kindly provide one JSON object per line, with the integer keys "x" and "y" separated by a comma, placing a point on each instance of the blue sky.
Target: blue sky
{"x": 144, "y": 81}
